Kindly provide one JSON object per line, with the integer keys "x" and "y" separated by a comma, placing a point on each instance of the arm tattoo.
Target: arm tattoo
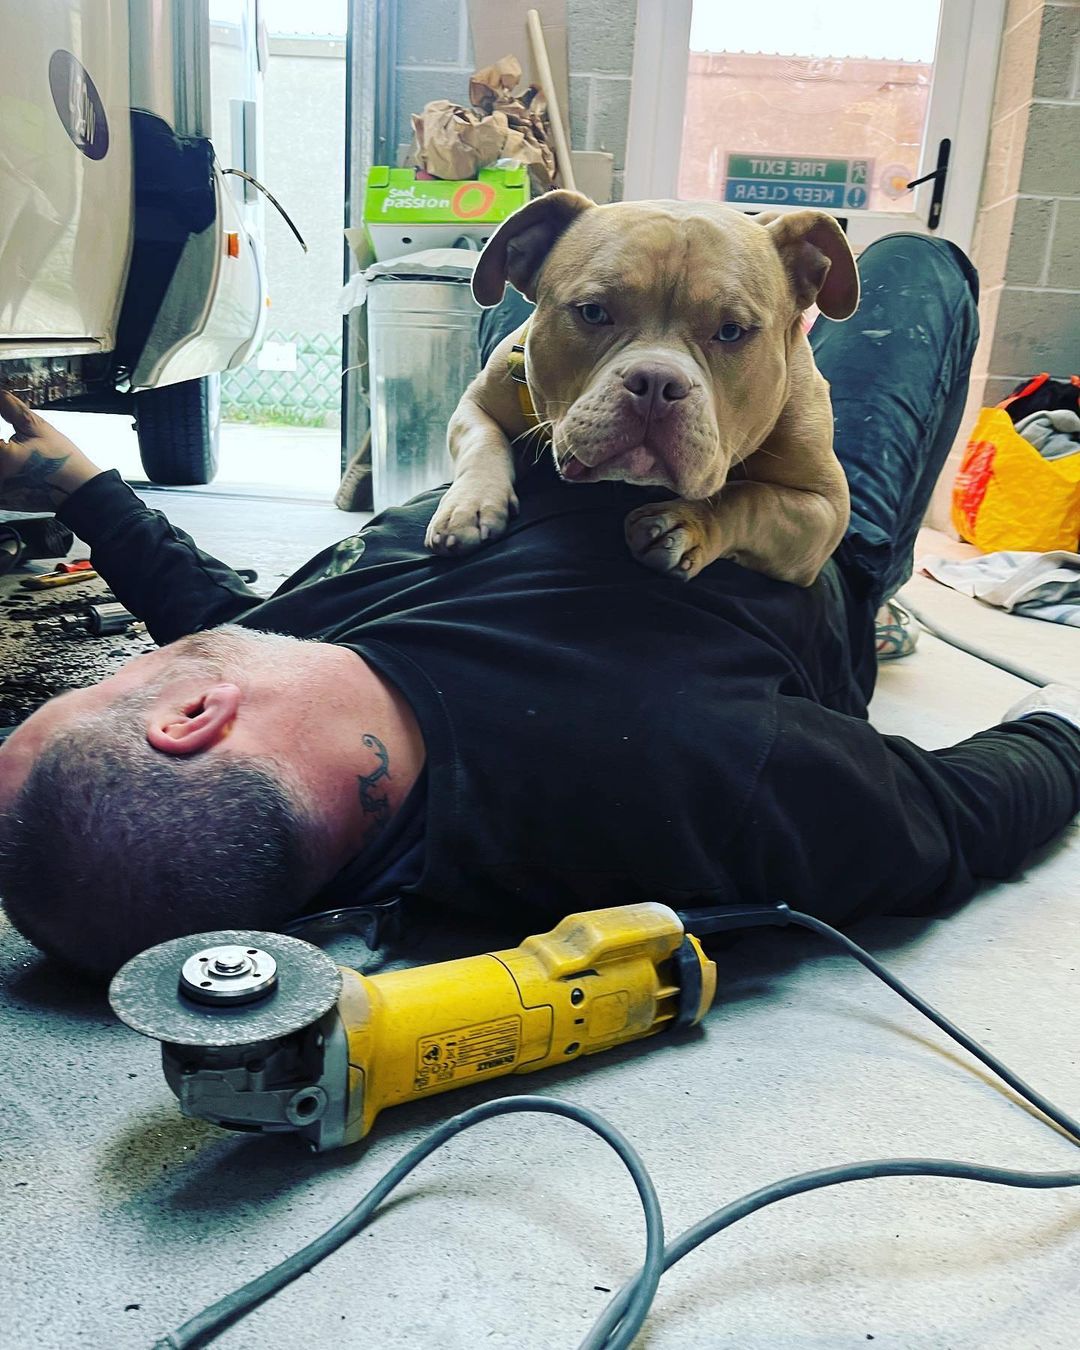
{"x": 31, "y": 486}
{"x": 372, "y": 802}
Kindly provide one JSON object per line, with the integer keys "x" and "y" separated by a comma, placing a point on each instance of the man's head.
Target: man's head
{"x": 659, "y": 350}
{"x": 192, "y": 790}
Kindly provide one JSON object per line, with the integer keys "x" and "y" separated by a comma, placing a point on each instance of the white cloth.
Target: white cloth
{"x": 432, "y": 264}
{"x": 1038, "y": 585}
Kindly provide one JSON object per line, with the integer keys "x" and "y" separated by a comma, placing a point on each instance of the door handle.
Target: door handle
{"x": 939, "y": 175}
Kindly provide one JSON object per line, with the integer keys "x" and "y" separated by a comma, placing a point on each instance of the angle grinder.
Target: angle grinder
{"x": 263, "y": 1032}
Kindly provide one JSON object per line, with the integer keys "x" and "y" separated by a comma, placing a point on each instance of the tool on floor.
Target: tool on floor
{"x": 98, "y": 620}
{"x": 48, "y": 580}
{"x": 111, "y": 617}
{"x": 261, "y": 1031}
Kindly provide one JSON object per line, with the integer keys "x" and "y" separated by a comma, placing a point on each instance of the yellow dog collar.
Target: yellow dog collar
{"x": 515, "y": 365}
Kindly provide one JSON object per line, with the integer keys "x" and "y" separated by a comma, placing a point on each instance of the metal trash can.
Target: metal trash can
{"x": 422, "y": 342}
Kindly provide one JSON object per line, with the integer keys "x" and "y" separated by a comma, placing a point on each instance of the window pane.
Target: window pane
{"x": 784, "y": 80}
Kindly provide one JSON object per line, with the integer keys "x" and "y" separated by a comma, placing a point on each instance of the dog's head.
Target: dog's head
{"x": 659, "y": 348}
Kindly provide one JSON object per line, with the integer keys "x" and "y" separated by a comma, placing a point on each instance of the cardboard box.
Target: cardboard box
{"x": 404, "y": 213}
{"x": 499, "y": 28}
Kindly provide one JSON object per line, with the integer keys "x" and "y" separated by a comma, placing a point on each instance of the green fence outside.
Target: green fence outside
{"x": 309, "y": 396}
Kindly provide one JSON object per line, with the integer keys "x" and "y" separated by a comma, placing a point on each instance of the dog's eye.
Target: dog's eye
{"x": 730, "y": 332}
{"x": 593, "y": 313}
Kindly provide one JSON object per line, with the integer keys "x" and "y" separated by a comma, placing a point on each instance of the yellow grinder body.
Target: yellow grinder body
{"x": 595, "y": 981}
{"x": 287, "y": 1041}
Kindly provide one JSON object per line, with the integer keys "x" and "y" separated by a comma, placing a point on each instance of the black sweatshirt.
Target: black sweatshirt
{"x": 599, "y": 734}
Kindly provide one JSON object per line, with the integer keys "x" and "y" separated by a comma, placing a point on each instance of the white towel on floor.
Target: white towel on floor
{"x": 1038, "y": 585}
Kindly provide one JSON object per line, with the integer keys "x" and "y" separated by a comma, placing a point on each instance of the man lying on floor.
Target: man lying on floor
{"x": 539, "y": 727}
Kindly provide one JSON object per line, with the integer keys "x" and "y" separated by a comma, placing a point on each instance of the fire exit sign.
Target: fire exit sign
{"x": 764, "y": 179}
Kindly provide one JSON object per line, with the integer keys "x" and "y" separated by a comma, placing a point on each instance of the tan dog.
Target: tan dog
{"x": 667, "y": 348}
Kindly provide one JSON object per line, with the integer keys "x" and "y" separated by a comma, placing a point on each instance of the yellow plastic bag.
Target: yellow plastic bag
{"x": 1006, "y": 496}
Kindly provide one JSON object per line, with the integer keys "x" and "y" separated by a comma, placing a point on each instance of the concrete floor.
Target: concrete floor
{"x": 121, "y": 1218}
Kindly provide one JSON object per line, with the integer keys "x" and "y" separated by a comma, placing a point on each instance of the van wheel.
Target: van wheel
{"x": 179, "y": 427}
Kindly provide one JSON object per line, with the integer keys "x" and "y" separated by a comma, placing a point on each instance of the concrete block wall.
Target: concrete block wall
{"x": 1027, "y": 239}
{"x": 434, "y": 59}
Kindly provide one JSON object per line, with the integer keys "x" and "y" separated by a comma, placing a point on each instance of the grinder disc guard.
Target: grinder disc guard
{"x": 145, "y": 993}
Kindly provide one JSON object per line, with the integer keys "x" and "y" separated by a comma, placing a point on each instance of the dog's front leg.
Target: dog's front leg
{"x": 478, "y": 504}
{"x": 782, "y": 513}
{"x": 787, "y": 533}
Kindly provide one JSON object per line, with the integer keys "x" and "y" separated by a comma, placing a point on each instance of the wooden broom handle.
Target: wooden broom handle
{"x": 558, "y": 129}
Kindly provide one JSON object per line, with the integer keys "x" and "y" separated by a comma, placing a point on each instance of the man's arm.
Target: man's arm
{"x": 153, "y": 568}
{"x": 845, "y": 822}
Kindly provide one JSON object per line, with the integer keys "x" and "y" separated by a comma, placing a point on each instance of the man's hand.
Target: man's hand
{"x": 39, "y": 467}
{"x": 1058, "y": 700}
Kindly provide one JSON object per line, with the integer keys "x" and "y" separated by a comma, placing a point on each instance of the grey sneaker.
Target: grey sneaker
{"x": 896, "y": 633}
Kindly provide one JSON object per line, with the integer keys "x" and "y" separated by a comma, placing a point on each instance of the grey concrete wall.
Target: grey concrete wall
{"x": 435, "y": 60}
{"x": 1027, "y": 239}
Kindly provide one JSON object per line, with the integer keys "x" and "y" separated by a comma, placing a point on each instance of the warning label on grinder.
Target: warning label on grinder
{"x": 466, "y": 1051}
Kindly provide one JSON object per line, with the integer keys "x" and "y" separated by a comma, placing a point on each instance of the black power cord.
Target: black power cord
{"x": 624, "y": 1316}
{"x": 613, "y": 1320}
{"x": 984, "y": 654}
{"x": 706, "y": 922}
{"x": 205, "y": 1325}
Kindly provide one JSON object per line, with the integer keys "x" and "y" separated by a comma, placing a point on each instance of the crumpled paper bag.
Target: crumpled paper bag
{"x": 450, "y": 141}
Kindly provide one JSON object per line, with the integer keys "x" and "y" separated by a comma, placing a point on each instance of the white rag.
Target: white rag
{"x": 1038, "y": 585}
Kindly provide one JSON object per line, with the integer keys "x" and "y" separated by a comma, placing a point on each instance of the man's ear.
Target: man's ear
{"x": 517, "y": 250}
{"x": 195, "y": 724}
{"x": 818, "y": 260}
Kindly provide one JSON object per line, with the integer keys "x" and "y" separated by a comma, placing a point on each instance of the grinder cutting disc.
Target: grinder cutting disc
{"x": 146, "y": 992}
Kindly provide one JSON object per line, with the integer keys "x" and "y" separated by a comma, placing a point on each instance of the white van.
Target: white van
{"x": 131, "y": 272}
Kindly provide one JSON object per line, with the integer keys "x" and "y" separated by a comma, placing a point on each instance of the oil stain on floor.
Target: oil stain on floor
{"x": 46, "y": 647}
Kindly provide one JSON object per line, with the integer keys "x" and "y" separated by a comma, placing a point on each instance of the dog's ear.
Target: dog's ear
{"x": 818, "y": 260}
{"x": 518, "y": 248}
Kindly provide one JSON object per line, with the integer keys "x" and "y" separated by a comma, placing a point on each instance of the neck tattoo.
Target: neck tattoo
{"x": 373, "y": 802}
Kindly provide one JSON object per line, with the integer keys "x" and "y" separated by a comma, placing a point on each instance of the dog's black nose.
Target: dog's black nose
{"x": 656, "y": 386}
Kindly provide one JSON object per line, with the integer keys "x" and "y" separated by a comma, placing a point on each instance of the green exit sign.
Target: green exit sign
{"x": 790, "y": 168}
{"x": 798, "y": 180}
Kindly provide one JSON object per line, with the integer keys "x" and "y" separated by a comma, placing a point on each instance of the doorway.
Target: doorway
{"x": 877, "y": 114}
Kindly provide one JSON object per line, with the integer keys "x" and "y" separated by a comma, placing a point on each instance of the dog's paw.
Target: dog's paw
{"x": 669, "y": 537}
{"x": 468, "y": 517}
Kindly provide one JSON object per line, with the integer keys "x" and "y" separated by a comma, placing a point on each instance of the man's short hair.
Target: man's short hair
{"x": 111, "y": 847}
